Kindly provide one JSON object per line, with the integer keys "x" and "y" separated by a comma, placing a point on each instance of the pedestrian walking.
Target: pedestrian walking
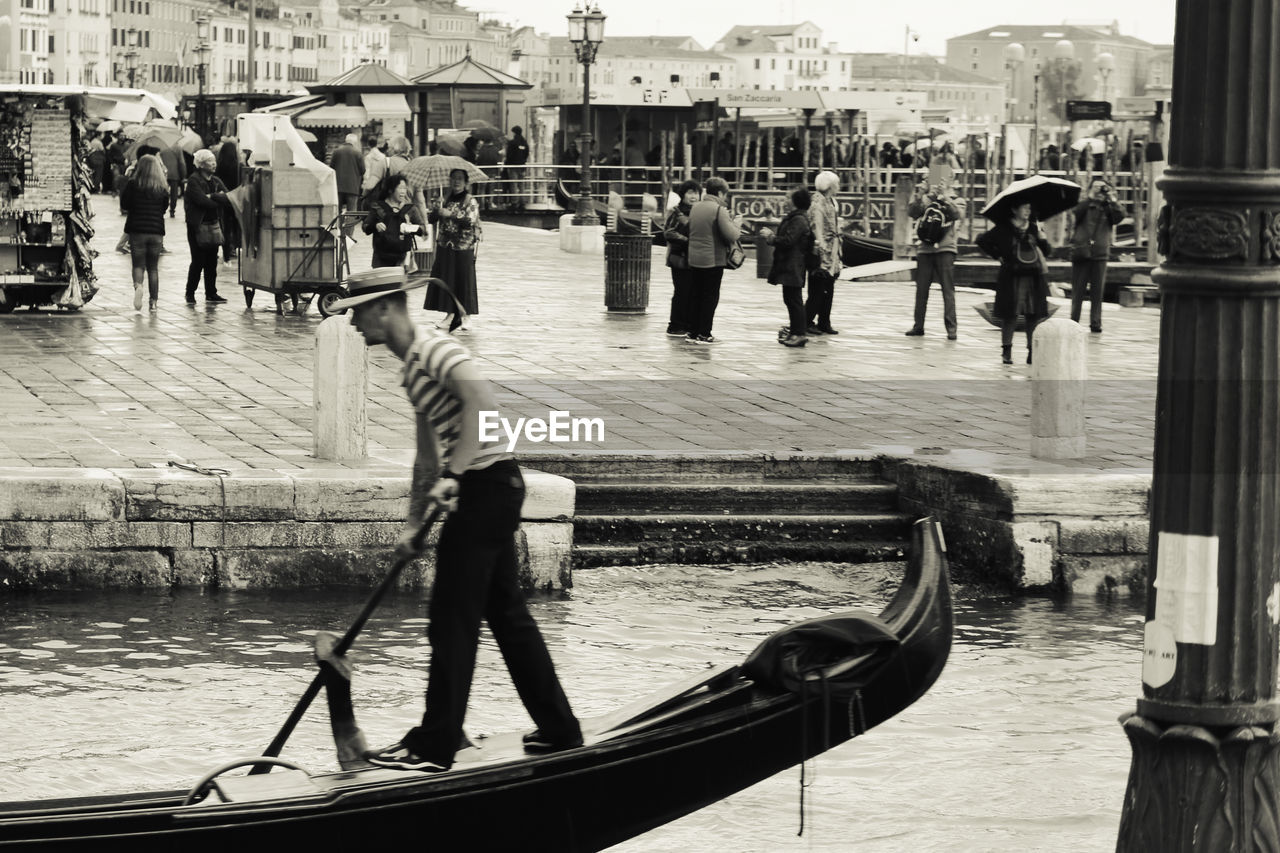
{"x": 936, "y": 212}
{"x": 393, "y": 220}
{"x": 712, "y": 231}
{"x": 793, "y": 255}
{"x": 229, "y": 172}
{"x": 203, "y": 202}
{"x": 517, "y": 156}
{"x": 1091, "y": 249}
{"x": 175, "y": 168}
{"x": 1021, "y": 288}
{"x": 375, "y": 170}
{"x": 458, "y": 232}
{"x": 97, "y": 160}
{"x": 825, "y": 218}
{"x": 144, "y": 200}
{"x": 348, "y": 169}
{"x": 676, "y": 232}
{"x": 477, "y": 574}
{"x": 398, "y": 151}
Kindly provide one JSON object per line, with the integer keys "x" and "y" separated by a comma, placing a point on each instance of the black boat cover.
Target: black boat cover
{"x": 837, "y": 652}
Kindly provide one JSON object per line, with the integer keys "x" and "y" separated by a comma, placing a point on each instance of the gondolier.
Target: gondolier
{"x": 480, "y": 484}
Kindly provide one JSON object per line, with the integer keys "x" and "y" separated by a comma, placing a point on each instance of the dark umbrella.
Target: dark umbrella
{"x": 488, "y": 134}
{"x": 1048, "y": 197}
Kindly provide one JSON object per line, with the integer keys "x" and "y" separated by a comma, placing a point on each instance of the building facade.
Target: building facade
{"x": 785, "y": 58}
{"x": 1060, "y": 79}
{"x": 964, "y": 96}
{"x": 646, "y": 61}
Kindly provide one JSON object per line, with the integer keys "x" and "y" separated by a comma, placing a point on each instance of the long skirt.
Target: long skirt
{"x": 457, "y": 268}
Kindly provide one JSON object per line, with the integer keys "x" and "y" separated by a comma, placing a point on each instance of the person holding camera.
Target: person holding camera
{"x": 936, "y": 213}
{"x": 1095, "y": 217}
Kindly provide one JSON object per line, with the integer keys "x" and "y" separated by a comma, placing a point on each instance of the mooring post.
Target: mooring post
{"x": 339, "y": 424}
{"x": 1059, "y": 368}
{"x": 1205, "y": 773}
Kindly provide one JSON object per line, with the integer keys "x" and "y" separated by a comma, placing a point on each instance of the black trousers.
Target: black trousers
{"x": 793, "y": 298}
{"x": 822, "y": 290}
{"x": 704, "y": 298}
{"x": 940, "y": 266}
{"x": 1088, "y": 275}
{"x": 202, "y": 261}
{"x": 681, "y": 303}
{"x": 477, "y": 578}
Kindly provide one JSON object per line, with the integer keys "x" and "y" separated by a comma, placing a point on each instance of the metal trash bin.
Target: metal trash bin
{"x": 627, "y": 262}
{"x": 764, "y": 256}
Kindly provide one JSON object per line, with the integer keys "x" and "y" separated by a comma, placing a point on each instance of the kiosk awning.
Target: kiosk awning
{"x": 338, "y": 115}
{"x": 381, "y": 106}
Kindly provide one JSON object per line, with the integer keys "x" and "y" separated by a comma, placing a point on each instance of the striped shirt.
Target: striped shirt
{"x": 427, "y": 365}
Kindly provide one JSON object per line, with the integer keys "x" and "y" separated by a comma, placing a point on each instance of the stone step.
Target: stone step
{"x": 769, "y": 529}
{"x": 704, "y": 553}
{"x": 790, "y": 498}
{"x": 743, "y": 468}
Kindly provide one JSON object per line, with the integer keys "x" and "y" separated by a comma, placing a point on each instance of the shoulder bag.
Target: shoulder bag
{"x": 734, "y": 256}
{"x": 209, "y": 235}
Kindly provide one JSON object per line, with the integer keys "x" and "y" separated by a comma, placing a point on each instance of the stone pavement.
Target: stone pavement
{"x": 222, "y": 386}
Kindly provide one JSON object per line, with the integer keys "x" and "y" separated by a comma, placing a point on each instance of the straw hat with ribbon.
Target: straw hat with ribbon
{"x": 364, "y": 287}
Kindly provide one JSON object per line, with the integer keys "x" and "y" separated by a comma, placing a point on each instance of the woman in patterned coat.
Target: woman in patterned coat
{"x": 457, "y": 223}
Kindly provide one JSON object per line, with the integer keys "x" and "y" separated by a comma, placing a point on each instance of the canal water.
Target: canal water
{"x": 1016, "y": 748}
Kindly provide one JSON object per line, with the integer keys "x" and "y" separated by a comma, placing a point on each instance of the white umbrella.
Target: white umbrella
{"x": 1094, "y": 144}
{"x": 108, "y": 125}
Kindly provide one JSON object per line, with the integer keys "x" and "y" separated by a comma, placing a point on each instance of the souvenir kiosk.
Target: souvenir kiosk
{"x": 289, "y": 221}
{"x": 45, "y": 214}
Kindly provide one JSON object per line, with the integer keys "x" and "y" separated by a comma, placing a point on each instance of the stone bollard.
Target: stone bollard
{"x": 339, "y": 423}
{"x": 1059, "y": 368}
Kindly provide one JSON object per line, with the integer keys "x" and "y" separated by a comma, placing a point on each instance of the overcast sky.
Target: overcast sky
{"x": 868, "y": 26}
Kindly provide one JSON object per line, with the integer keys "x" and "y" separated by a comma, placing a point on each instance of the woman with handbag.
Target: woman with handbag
{"x": 713, "y": 234}
{"x": 1021, "y": 286}
{"x": 393, "y": 221}
{"x": 676, "y": 232}
{"x": 202, "y": 204}
{"x": 825, "y": 218}
{"x": 457, "y": 223}
{"x": 793, "y": 255}
{"x": 145, "y": 199}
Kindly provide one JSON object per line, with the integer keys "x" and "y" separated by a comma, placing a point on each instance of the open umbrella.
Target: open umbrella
{"x": 432, "y": 172}
{"x": 133, "y": 131}
{"x": 488, "y": 134}
{"x": 476, "y": 123}
{"x": 190, "y": 141}
{"x": 451, "y": 143}
{"x": 1048, "y": 197}
{"x": 1093, "y": 143}
{"x": 107, "y": 126}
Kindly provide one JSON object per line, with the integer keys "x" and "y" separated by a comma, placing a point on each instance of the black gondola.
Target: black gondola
{"x": 857, "y": 249}
{"x": 806, "y": 689}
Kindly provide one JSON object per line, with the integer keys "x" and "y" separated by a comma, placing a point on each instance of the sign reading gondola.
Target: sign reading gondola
{"x": 1088, "y": 110}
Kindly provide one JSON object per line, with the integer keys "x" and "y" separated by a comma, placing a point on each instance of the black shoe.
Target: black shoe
{"x": 1006, "y": 355}
{"x": 813, "y": 330}
{"x": 673, "y": 332}
{"x": 914, "y": 333}
{"x": 216, "y": 299}
{"x": 191, "y": 299}
{"x": 1028, "y": 356}
{"x": 951, "y": 336}
{"x": 536, "y": 742}
{"x": 400, "y": 757}
{"x": 1097, "y": 330}
{"x": 827, "y": 330}
{"x": 794, "y": 341}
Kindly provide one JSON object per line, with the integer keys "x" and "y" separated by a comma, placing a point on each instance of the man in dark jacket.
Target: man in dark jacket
{"x": 1091, "y": 249}
{"x": 348, "y": 167}
{"x": 517, "y": 157}
{"x": 176, "y": 168}
{"x": 936, "y": 259}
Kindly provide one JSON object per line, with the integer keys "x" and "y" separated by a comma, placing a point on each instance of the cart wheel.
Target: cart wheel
{"x": 326, "y": 298}
{"x": 248, "y": 297}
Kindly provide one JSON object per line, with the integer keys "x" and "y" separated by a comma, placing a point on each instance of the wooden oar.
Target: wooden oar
{"x": 339, "y": 649}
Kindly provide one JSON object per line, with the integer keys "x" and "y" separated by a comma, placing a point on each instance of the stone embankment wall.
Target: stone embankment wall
{"x": 1085, "y": 533}
{"x": 91, "y": 528}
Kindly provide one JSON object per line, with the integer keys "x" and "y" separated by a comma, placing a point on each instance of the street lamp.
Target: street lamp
{"x": 131, "y": 55}
{"x": 1106, "y": 64}
{"x": 1063, "y": 53}
{"x": 1014, "y": 54}
{"x": 586, "y": 32}
{"x": 203, "y": 49}
{"x": 909, "y": 35}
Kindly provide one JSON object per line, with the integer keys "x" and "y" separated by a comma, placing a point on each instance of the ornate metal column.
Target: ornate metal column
{"x": 586, "y": 32}
{"x": 1205, "y": 774}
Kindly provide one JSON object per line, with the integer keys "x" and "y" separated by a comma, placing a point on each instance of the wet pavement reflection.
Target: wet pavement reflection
{"x": 1016, "y": 747}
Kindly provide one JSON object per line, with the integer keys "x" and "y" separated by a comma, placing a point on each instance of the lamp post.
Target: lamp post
{"x": 908, "y": 35}
{"x": 131, "y": 55}
{"x": 1014, "y": 54}
{"x": 203, "y": 49}
{"x": 586, "y": 32}
{"x": 1106, "y": 64}
{"x": 1064, "y": 52}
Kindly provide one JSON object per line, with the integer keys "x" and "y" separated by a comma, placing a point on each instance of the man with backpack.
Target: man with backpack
{"x": 936, "y": 213}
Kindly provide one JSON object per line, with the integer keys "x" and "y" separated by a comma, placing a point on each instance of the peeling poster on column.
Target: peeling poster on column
{"x": 1186, "y": 589}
